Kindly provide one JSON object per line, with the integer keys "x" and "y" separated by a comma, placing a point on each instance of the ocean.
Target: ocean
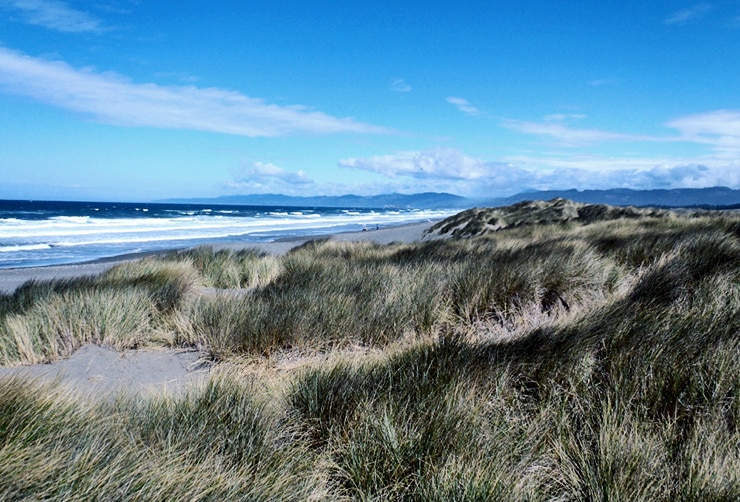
{"x": 39, "y": 233}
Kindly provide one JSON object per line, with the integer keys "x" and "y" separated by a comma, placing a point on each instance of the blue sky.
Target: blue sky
{"x": 141, "y": 100}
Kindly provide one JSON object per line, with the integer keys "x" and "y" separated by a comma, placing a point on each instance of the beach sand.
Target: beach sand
{"x": 102, "y": 372}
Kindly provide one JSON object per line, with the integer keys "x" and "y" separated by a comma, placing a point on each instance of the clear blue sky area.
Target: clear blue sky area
{"x": 140, "y": 100}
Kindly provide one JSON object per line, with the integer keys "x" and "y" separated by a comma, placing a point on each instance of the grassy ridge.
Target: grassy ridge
{"x": 555, "y": 361}
{"x": 478, "y": 221}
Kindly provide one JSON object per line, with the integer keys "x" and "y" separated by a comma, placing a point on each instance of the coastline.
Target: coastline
{"x": 11, "y": 278}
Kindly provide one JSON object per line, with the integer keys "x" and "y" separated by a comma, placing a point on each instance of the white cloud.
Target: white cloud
{"x": 598, "y": 172}
{"x": 443, "y": 170}
{"x": 438, "y": 163}
{"x": 463, "y": 105}
{"x": 54, "y": 15}
{"x": 400, "y": 85}
{"x": 719, "y": 128}
{"x": 563, "y": 117}
{"x": 685, "y": 16}
{"x": 554, "y": 128}
{"x": 112, "y": 99}
{"x": 260, "y": 177}
{"x": 260, "y": 170}
{"x": 452, "y": 171}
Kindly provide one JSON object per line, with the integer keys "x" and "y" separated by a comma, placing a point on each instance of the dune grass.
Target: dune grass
{"x": 227, "y": 269}
{"x": 219, "y": 442}
{"x": 553, "y": 361}
{"x": 127, "y": 307}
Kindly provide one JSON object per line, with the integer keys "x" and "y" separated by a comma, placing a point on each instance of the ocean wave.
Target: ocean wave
{"x": 67, "y": 239}
{"x": 71, "y": 219}
{"x": 82, "y": 226}
{"x": 24, "y": 247}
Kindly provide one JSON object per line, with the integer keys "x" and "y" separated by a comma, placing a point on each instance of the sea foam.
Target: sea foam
{"x": 69, "y": 233}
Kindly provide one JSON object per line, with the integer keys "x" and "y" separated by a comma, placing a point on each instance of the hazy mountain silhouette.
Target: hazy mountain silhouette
{"x": 714, "y": 197}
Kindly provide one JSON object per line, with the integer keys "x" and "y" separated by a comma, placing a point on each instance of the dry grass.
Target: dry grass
{"x": 540, "y": 362}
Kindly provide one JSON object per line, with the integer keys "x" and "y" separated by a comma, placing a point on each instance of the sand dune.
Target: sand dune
{"x": 103, "y": 372}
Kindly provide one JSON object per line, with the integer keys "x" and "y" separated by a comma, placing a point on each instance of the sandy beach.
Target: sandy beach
{"x": 102, "y": 372}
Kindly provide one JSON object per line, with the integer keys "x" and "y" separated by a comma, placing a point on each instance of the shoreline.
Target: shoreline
{"x": 12, "y": 278}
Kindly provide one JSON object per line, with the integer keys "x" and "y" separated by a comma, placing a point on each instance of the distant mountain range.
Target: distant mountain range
{"x": 394, "y": 200}
{"x": 716, "y": 197}
{"x": 678, "y": 197}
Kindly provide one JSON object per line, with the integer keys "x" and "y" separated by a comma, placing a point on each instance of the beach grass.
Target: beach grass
{"x": 218, "y": 442}
{"x": 561, "y": 360}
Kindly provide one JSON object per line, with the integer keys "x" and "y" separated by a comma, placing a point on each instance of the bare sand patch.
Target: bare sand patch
{"x": 100, "y": 371}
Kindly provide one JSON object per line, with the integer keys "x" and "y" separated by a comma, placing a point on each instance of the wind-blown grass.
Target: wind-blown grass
{"x": 219, "y": 442}
{"x": 127, "y": 307}
{"x": 592, "y": 360}
{"x": 227, "y": 269}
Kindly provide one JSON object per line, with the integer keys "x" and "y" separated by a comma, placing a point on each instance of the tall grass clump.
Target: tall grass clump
{"x": 231, "y": 426}
{"x": 55, "y": 446}
{"x": 327, "y": 295}
{"x": 330, "y": 294}
{"x": 353, "y": 291}
{"x": 229, "y": 269}
{"x": 127, "y": 307}
{"x": 168, "y": 284}
{"x": 59, "y": 326}
{"x": 414, "y": 426}
{"x": 544, "y": 276}
{"x": 219, "y": 442}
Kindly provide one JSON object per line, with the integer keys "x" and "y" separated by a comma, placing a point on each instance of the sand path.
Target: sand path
{"x": 103, "y": 372}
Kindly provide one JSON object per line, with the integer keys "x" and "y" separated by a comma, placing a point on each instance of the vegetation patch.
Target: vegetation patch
{"x": 479, "y": 221}
{"x": 596, "y": 358}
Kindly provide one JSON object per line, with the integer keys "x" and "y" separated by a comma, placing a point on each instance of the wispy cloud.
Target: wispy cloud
{"x": 719, "y": 128}
{"x": 112, "y": 99}
{"x": 689, "y": 15}
{"x": 568, "y": 136}
{"x": 463, "y": 105}
{"x": 563, "y": 117}
{"x": 260, "y": 177}
{"x": 400, "y": 85}
{"x": 54, "y": 15}
{"x": 600, "y": 82}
